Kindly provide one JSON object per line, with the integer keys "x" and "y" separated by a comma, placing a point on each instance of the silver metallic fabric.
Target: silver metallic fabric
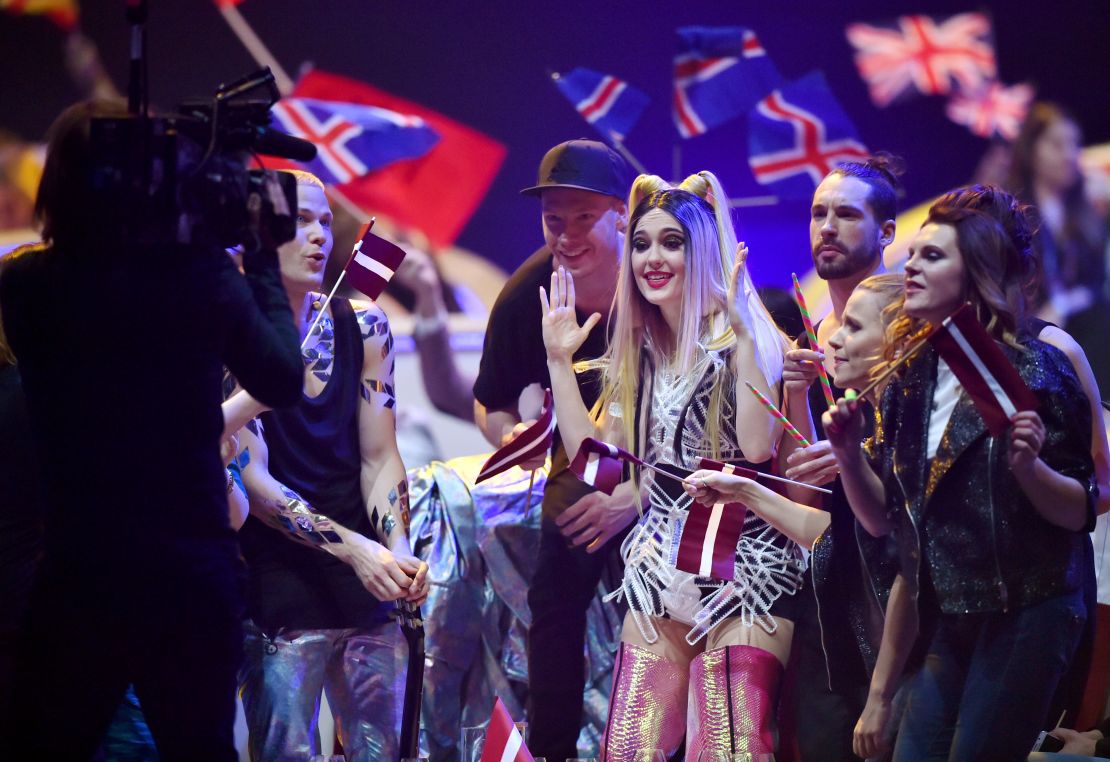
{"x": 481, "y": 543}
{"x": 733, "y": 695}
{"x": 648, "y": 705}
{"x": 361, "y": 671}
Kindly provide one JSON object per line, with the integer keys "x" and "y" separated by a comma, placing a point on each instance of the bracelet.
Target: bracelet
{"x": 426, "y": 326}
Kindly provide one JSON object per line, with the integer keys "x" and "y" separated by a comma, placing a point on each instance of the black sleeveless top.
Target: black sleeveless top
{"x": 314, "y": 451}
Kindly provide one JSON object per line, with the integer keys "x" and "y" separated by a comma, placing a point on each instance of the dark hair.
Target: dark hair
{"x": 66, "y": 205}
{"x": 881, "y": 173}
{"x": 995, "y": 268}
{"x": 1017, "y": 218}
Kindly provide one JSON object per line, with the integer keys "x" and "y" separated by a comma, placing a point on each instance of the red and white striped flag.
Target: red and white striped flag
{"x": 503, "y": 741}
{"x": 373, "y": 262}
{"x": 707, "y": 546}
{"x": 533, "y": 441}
{"x": 989, "y": 378}
{"x": 598, "y": 464}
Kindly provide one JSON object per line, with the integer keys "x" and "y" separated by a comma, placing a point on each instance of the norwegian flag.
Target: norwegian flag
{"x": 503, "y": 741}
{"x": 924, "y": 54}
{"x": 993, "y": 110}
{"x": 798, "y": 134}
{"x": 611, "y": 105}
{"x": 719, "y": 74}
{"x": 989, "y": 378}
{"x": 533, "y": 441}
{"x": 373, "y": 262}
{"x": 598, "y": 464}
{"x": 353, "y": 140}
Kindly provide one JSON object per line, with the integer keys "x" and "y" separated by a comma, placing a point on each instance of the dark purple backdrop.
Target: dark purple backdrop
{"x": 484, "y": 64}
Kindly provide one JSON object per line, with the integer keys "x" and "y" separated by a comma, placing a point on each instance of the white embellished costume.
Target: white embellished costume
{"x": 768, "y": 564}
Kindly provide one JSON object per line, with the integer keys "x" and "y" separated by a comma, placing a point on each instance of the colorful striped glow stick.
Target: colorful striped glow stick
{"x": 826, "y": 387}
{"x": 778, "y": 416}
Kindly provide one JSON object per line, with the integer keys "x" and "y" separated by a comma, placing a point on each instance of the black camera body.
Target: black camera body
{"x": 184, "y": 179}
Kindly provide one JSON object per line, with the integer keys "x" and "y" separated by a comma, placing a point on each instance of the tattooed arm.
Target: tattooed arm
{"x": 283, "y": 509}
{"x": 384, "y": 483}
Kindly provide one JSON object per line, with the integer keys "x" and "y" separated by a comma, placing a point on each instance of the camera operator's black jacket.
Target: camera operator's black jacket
{"x": 122, "y": 355}
{"x": 963, "y": 518}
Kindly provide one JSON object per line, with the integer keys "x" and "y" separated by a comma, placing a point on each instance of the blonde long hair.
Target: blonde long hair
{"x": 700, "y": 208}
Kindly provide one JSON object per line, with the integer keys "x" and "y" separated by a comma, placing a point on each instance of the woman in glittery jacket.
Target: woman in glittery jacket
{"x": 990, "y": 527}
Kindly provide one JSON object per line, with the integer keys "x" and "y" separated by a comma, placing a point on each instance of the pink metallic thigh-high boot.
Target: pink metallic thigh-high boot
{"x": 733, "y": 696}
{"x": 647, "y": 708}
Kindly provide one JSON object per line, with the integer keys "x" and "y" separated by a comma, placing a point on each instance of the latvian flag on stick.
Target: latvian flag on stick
{"x": 533, "y": 441}
{"x": 989, "y": 378}
{"x": 503, "y": 742}
{"x": 598, "y": 464}
{"x": 373, "y": 262}
{"x": 707, "y": 547}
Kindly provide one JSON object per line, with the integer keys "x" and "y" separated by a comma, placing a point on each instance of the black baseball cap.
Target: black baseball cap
{"x": 585, "y": 165}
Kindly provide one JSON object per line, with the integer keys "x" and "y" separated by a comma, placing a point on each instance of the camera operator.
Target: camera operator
{"x": 121, "y": 348}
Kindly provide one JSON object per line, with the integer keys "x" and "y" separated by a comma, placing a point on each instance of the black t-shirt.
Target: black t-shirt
{"x": 121, "y": 353}
{"x": 514, "y": 356}
{"x": 314, "y": 450}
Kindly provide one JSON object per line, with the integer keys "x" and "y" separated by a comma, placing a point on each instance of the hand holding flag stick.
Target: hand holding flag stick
{"x": 799, "y": 297}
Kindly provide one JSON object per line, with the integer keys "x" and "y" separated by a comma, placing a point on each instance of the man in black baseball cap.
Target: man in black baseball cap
{"x": 582, "y": 186}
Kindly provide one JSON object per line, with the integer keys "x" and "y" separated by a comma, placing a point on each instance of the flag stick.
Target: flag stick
{"x": 619, "y": 145}
{"x": 895, "y": 365}
{"x": 753, "y": 201}
{"x": 760, "y": 475}
{"x": 531, "y": 481}
{"x": 255, "y": 46}
{"x": 342, "y": 275}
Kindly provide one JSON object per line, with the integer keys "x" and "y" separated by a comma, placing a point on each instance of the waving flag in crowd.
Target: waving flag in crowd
{"x": 353, "y": 140}
{"x": 798, "y": 134}
{"x": 373, "y": 262}
{"x": 611, "y": 105}
{"x": 924, "y": 54}
{"x": 438, "y": 192}
{"x": 598, "y": 464}
{"x": 984, "y": 371}
{"x": 993, "y": 110}
{"x": 719, "y": 74}
{"x": 530, "y": 443}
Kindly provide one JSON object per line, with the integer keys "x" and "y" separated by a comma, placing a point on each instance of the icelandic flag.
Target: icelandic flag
{"x": 352, "y": 140}
{"x": 611, "y": 105}
{"x": 719, "y": 74}
{"x": 598, "y": 464}
{"x": 373, "y": 262}
{"x": 798, "y": 134}
{"x": 503, "y": 741}
{"x": 992, "y": 382}
{"x": 534, "y": 440}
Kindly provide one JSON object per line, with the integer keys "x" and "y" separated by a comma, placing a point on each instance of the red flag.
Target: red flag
{"x": 989, "y": 378}
{"x": 707, "y": 546}
{"x": 436, "y": 193}
{"x": 533, "y": 441}
{"x": 373, "y": 262}
{"x": 598, "y": 464}
{"x": 64, "y": 13}
{"x": 503, "y": 742}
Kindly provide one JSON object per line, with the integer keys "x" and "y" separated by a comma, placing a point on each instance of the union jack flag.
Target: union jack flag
{"x": 611, "y": 105}
{"x": 798, "y": 134}
{"x": 719, "y": 74}
{"x": 353, "y": 140}
{"x": 924, "y": 53}
{"x": 994, "y": 110}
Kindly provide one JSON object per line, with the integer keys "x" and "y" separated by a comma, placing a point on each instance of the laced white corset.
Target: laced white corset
{"x": 767, "y": 564}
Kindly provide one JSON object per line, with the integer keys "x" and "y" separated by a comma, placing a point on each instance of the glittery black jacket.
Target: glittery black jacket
{"x": 985, "y": 547}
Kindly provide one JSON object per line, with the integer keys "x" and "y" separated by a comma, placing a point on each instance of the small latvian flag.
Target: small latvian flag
{"x": 503, "y": 741}
{"x": 373, "y": 262}
{"x": 989, "y": 378}
{"x": 534, "y": 440}
{"x": 707, "y": 546}
{"x": 598, "y": 464}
